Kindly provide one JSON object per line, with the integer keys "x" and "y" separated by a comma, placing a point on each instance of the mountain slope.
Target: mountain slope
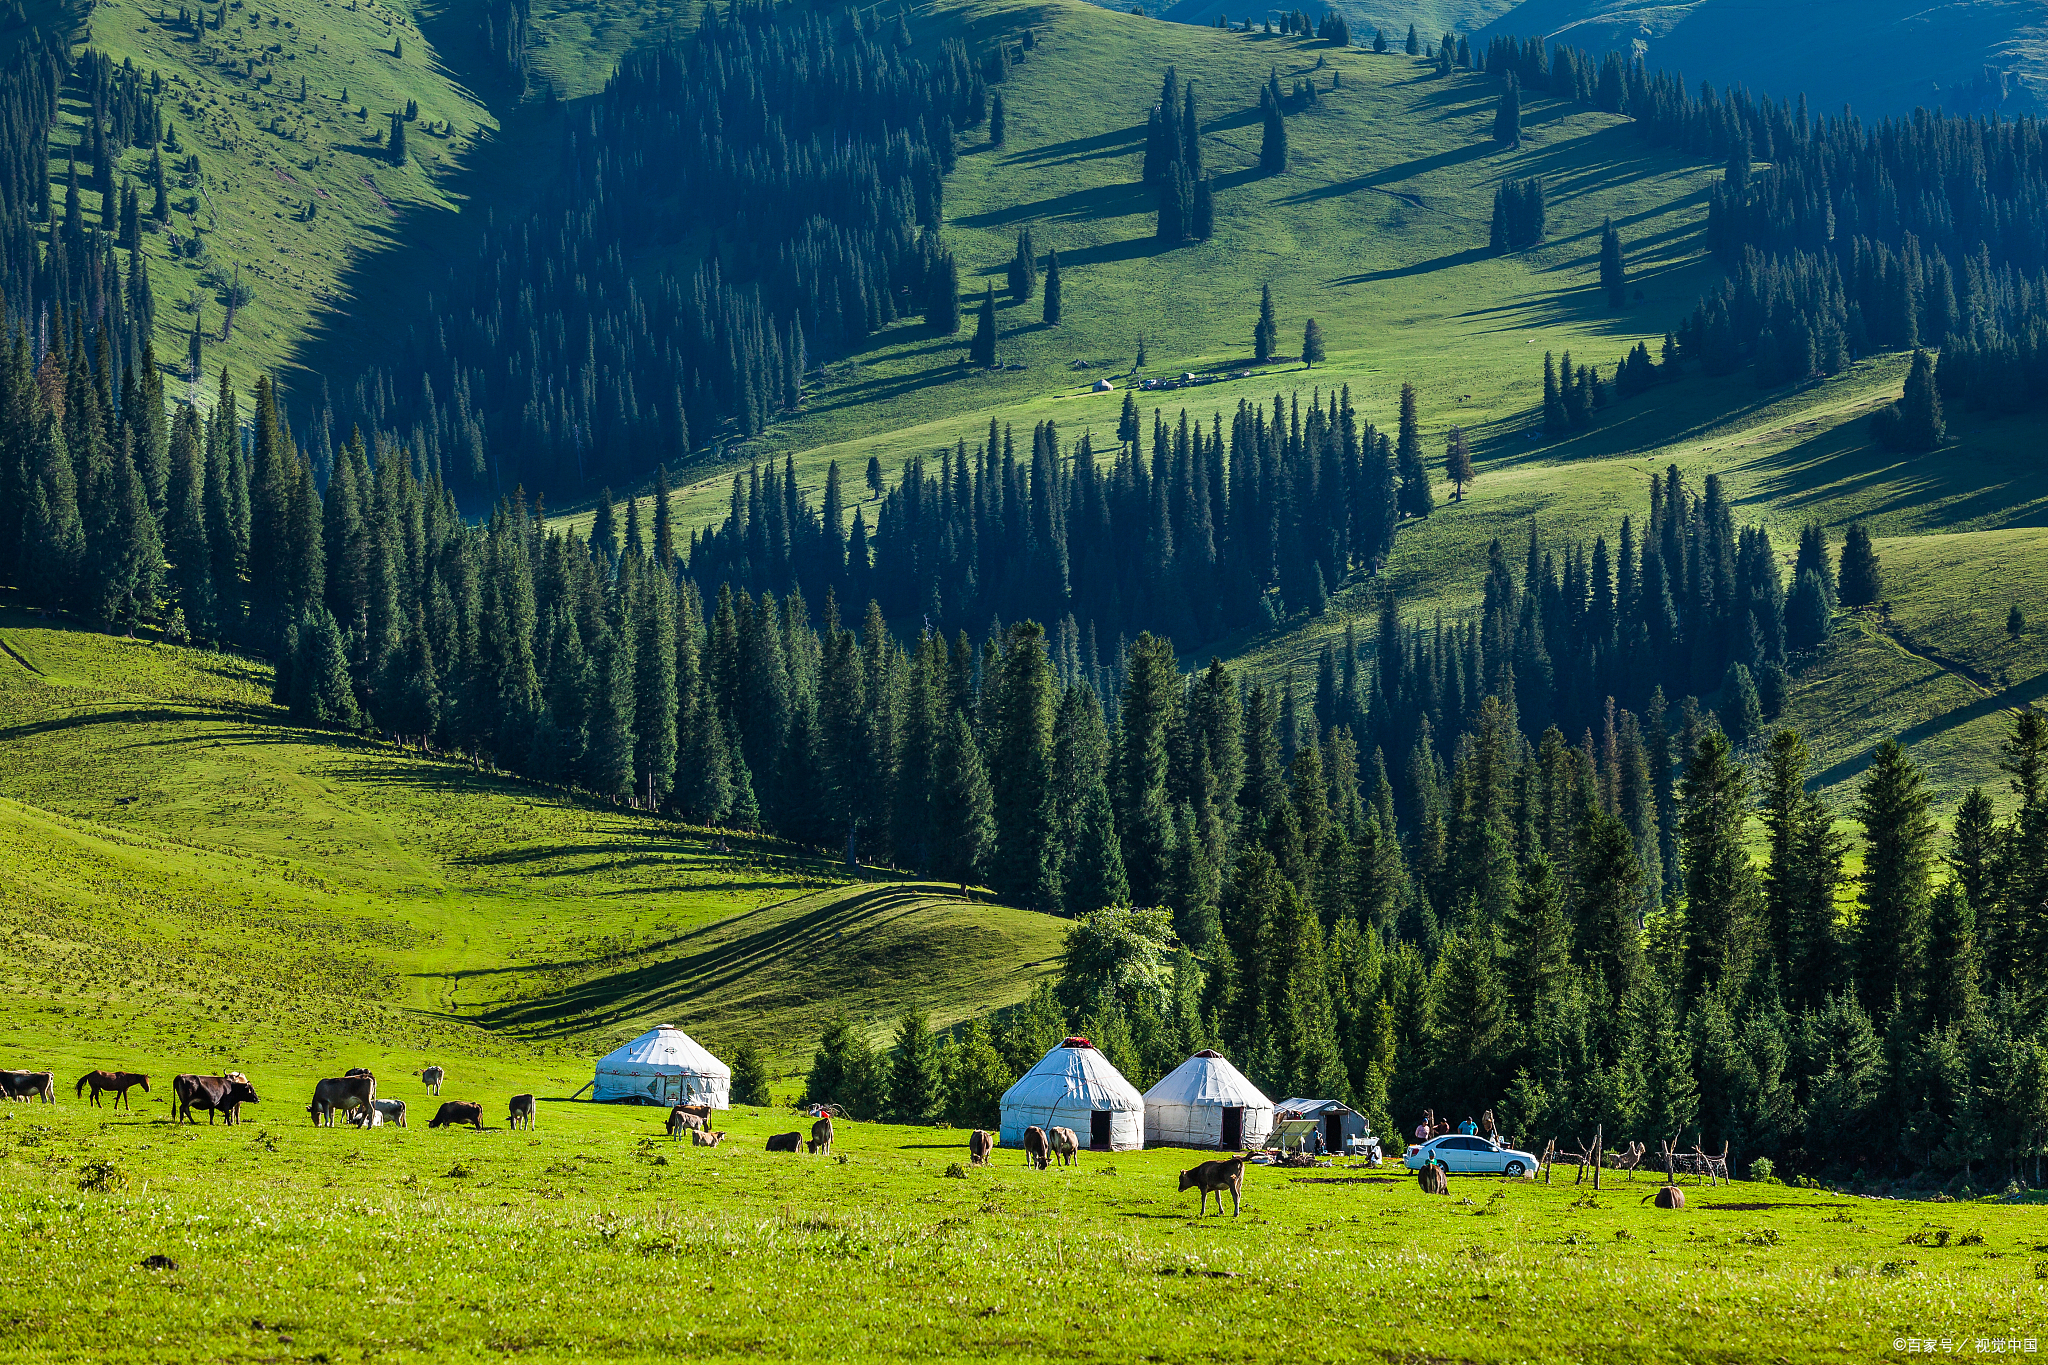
{"x": 1882, "y": 56}
{"x": 176, "y": 861}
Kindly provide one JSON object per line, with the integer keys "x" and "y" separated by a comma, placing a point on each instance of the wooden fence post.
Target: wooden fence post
{"x": 1599, "y": 1145}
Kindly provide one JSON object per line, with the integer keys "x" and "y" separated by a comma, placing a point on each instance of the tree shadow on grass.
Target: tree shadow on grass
{"x": 1089, "y": 205}
{"x": 1388, "y": 175}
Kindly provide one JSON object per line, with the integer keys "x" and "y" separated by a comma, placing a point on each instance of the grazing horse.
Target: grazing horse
{"x": 116, "y": 1081}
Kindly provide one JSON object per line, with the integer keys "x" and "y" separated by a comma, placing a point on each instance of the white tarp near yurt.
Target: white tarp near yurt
{"x": 1207, "y": 1102}
{"x": 662, "y": 1066}
{"x": 1074, "y": 1086}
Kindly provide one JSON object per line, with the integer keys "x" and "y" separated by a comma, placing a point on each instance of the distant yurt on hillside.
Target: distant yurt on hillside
{"x": 1074, "y": 1086}
{"x": 662, "y": 1066}
{"x": 1207, "y": 1102}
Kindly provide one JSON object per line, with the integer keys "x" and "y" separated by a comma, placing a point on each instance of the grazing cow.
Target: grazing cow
{"x": 821, "y": 1136}
{"x": 702, "y": 1139}
{"x": 1670, "y": 1197}
{"x": 1065, "y": 1145}
{"x": 1216, "y": 1177}
{"x": 29, "y": 1085}
{"x": 522, "y": 1111}
{"x": 681, "y": 1119}
{"x": 431, "y": 1078}
{"x": 1034, "y": 1146}
{"x": 980, "y": 1143}
{"x": 116, "y": 1081}
{"x": 379, "y": 1113}
{"x": 223, "y": 1095}
{"x": 357, "y": 1071}
{"x": 455, "y": 1113}
{"x": 346, "y": 1093}
{"x": 785, "y": 1142}
{"x": 1431, "y": 1179}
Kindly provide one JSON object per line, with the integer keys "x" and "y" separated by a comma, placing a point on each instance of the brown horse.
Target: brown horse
{"x": 116, "y": 1081}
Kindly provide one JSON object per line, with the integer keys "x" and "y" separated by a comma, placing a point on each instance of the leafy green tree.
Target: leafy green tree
{"x": 1122, "y": 952}
{"x": 976, "y": 1079}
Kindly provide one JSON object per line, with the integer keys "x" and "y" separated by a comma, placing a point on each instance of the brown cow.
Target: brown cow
{"x": 223, "y": 1095}
{"x": 1034, "y": 1146}
{"x": 1431, "y": 1179}
{"x": 681, "y": 1118}
{"x": 522, "y": 1112}
{"x": 346, "y": 1093}
{"x": 455, "y": 1113}
{"x": 821, "y": 1136}
{"x": 1216, "y": 1177}
{"x": 702, "y": 1139}
{"x": 1066, "y": 1146}
{"x": 785, "y": 1142}
{"x": 29, "y": 1085}
{"x": 116, "y": 1081}
{"x": 980, "y": 1143}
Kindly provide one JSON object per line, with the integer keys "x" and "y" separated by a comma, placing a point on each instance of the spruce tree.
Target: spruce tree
{"x": 1741, "y": 713}
{"x": 962, "y": 819}
{"x": 750, "y": 1080}
{"x": 1458, "y": 463}
{"x": 942, "y": 295}
{"x": 1720, "y": 887}
{"x": 1414, "y": 44}
{"x": 1507, "y": 114}
{"x": 1417, "y": 498}
{"x": 1204, "y": 224}
{"x": 1311, "y": 344}
{"x": 395, "y": 149}
{"x": 916, "y": 1083}
{"x": 1052, "y": 289}
{"x": 1609, "y": 877}
{"x": 1954, "y": 960}
{"x": 1538, "y": 941}
{"x": 1266, "y": 333}
{"x": 1897, "y": 880}
{"x": 1024, "y": 869}
{"x": 1273, "y": 137}
{"x": 998, "y": 121}
{"x": 1920, "y": 423}
{"x": 1861, "y": 578}
{"x": 1613, "y": 275}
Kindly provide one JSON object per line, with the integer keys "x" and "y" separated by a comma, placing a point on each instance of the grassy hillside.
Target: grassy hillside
{"x": 180, "y": 866}
{"x": 1885, "y": 58}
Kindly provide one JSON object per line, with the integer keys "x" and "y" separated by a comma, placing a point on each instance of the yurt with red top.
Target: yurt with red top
{"x": 1074, "y": 1086}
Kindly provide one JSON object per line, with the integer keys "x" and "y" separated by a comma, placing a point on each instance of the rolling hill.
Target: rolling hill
{"x": 177, "y": 863}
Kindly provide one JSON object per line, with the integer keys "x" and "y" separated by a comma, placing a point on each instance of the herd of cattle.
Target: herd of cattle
{"x": 353, "y": 1095}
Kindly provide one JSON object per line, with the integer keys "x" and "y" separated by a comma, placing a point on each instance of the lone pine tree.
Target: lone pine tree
{"x": 1613, "y": 276}
{"x": 982, "y": 352}
{"x": 1266, "y": 332}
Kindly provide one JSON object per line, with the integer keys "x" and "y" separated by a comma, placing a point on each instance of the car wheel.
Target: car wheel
{"x": 1514, "y": 1170}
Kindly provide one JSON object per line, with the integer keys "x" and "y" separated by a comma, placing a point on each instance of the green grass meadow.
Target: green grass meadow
{"x": 593, "y": 1235}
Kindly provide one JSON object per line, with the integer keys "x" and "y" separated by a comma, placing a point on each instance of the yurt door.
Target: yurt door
{"x": 1233, "y": 1128}
{"x": 672, "y": 1089}
{"x": 1098, "y": 1130}
{"x": 1333, "y": 1132}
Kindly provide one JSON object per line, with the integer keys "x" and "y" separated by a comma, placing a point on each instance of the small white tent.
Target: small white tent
{"x": 1207, "y": 1102}
{"x": 662, "y": 1066}
{"x": 1074, "y": 1086}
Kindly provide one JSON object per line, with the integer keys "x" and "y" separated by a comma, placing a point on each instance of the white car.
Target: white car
{"x": 1462, "y": 1154}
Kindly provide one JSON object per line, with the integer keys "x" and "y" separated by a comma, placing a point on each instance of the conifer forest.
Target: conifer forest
{"x": 1450, "y": 568}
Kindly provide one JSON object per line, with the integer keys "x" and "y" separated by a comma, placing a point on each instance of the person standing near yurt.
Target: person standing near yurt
{"x": 1207, "y": 1102}
{"x": 1074, "y": 1086}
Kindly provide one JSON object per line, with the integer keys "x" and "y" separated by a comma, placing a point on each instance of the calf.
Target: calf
{"x": 1066, "y": 1146}
{"x": 223, "y": 1095}
{"x": 681, "y": 1119}
{"x": 455, "y": 1113}
{"x": 347, "y": 1093}
{"x": 431, "y": 1078}
{"x": 979, "y": 1144}
{"x": 821, "y": 1136}
{"x": 1216, "y": 1177}
{"x": 703, "y": 1139}
{"x": 785, "y": 1142}
{"x": 379, "y": 1113}
{"x": 1034, "y": 1146}
{"x": 522, "y": 1112}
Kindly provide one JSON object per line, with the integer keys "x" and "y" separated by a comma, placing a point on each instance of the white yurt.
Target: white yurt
{"x": 1207, "y": 1102}
{"x": 1074, "y": 1086}
{"x": 662, "y": 1066}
